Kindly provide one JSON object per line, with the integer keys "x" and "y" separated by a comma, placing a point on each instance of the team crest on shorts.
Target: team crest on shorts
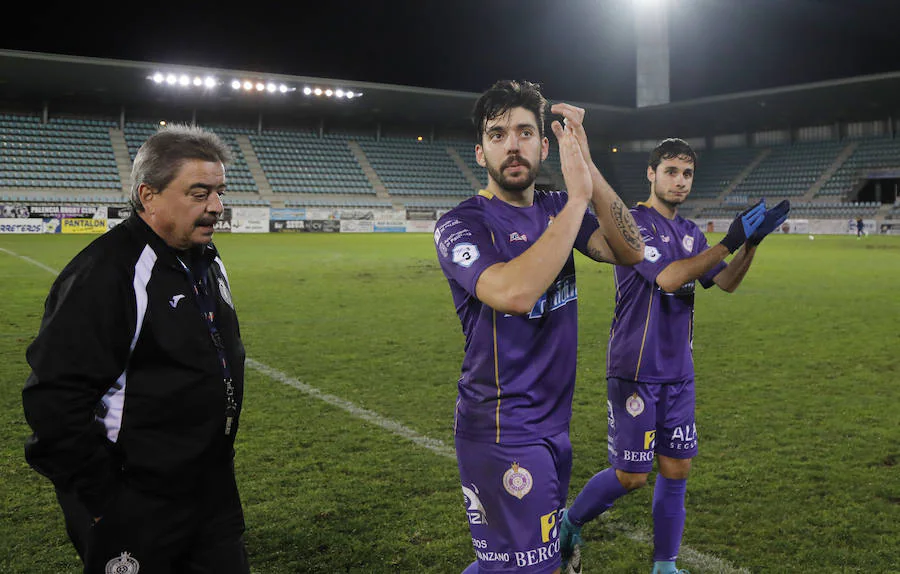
{"x": 517, "y": 481}
{"x": 634, "y": 405}
{"x": 124, "y": 564}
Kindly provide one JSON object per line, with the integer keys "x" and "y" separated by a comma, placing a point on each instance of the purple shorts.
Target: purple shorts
{"x": 513, "y": 494}
{"x": 649, "y": 418}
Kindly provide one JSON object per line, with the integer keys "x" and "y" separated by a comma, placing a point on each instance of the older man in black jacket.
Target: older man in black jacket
{"x": 137, "y": 377}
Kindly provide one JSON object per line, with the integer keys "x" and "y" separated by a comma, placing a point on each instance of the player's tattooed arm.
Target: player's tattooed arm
{"x": 625, "y": 224}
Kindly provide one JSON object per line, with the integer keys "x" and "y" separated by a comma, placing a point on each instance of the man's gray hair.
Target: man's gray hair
{"x": 160, "y": 157}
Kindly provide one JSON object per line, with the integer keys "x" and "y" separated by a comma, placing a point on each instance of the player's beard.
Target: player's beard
{"x": 505, "y": 184}
{"x": 669, "y": 203}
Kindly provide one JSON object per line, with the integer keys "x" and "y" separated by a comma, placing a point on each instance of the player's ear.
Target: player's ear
{"x": 479, "y": 155}
{"x": 651, "y": 174}
{"x": 545, "y": 149}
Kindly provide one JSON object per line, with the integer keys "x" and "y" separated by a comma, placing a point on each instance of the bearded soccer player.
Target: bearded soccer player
{"x": 650, "y": 366}
{"x": 507, "y": 255}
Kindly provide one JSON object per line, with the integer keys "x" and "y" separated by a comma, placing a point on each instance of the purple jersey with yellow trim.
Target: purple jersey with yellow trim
{"x": 518, "y": 374}
{"x": 651, "y": 337}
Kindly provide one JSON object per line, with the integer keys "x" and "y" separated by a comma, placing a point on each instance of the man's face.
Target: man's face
{"x": 512, "y": 149}
{"x": 184, "y": 213}
{"x": 672, "y": 180}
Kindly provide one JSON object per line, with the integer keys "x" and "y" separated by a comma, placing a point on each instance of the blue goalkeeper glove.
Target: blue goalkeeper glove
{"x": 772, "y": 221}
{"x": 744, "y": 225}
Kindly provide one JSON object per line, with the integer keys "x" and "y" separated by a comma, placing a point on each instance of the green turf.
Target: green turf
{"x": 798, "y": 394}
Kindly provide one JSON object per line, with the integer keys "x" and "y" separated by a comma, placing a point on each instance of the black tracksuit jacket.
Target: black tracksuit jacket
{"x": 126, "y": 382}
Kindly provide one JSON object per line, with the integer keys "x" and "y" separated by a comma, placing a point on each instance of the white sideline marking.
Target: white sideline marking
{"x": 32, "y": 261}
{"x": 693, "y": 558}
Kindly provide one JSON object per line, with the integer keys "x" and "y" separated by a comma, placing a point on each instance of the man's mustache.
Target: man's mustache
{"x": 517, "y": 159}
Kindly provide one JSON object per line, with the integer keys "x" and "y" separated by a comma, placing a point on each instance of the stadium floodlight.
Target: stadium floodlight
{"x": 270, "y": 87}
{"x": 198, "y": 81}
{"x": 210, "y": 82}
{"x": 318, "y": 91}
{"x": 162, "y": 123}
{"x": 350, "y": 95}
{"x": 339, "y": 93}
{"x": 282, "y": 88}
{"x": 260, "y": 86}
{"x": 235, "y": 85}
{"x": 329, "y": 92}
{"x": 307, "y": 90}
{"x": 248, "y": 85}
{"x": 158, "y": 78}
{"x": 171, "y": 79}
{"x": 184, "y": 80}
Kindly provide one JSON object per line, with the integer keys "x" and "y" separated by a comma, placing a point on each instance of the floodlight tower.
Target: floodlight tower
{"x": 652, "y": 41}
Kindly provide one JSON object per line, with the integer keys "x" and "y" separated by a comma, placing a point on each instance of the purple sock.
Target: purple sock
{"x": 668, "y": 517}
{"x": 471, "y": 568}
{"x": 596, "y": 497}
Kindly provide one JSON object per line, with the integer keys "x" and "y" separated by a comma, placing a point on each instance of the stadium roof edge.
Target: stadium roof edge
{"x": 66, "y": 80}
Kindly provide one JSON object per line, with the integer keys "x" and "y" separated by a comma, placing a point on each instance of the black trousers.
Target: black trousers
{"x": 199, "y": 533}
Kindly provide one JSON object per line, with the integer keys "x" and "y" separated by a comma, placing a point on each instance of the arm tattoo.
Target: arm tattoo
{"x": 625, "y": 224}
{"x": 597, "y": 255}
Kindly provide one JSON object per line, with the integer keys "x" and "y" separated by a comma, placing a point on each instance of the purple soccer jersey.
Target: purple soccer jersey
{"x": 651, "y": 337}
{"x": 518, "y": 374}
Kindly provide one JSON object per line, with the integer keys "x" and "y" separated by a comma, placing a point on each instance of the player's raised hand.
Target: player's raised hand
{"x": 773, "y": 219}
{"x": 574, "y": 118}
{"x": 744, "y": 225}
{"x": 574, "y": 167}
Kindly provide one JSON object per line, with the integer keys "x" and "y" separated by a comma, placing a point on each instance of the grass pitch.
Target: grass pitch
{"x": 797, "y": 384}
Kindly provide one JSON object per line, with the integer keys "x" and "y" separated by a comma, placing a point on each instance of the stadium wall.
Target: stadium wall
{"x": 72, "y": 219}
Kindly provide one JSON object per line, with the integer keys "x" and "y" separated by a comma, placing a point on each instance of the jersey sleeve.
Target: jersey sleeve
{"x": 654, "y": 260}
{"x": 589, "y": 225}
{"x": 465, "y": 248}
{"x": 707, "y": 278}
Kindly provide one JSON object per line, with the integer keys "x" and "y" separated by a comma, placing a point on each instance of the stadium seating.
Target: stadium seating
{"x": 717, "y": 168}
{"x": 790, "y": 170}
{"x": 354, "y": 203}
{"x": 804, "y": 210}
{"x": 296, "y": 162}
{"x": 869, "y": 155}
{"x": 67, "y": 153}
{"x": 627, "y": 173}
{"x": 409, "y": 167}
{"x": 466, "y": 151}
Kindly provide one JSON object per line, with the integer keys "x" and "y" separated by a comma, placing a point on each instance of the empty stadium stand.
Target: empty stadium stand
{"x": 411, "y": 168}
{"x": 790, "y": 170}
{"x": 869, "y": 155}
{"x": 296, "y": 162}
{"x": 65, "y": 153}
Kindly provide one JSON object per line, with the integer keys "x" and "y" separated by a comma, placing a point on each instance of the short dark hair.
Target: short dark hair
{"x": 160, "y": 157}
{"x": 505, "y": 95}
{"x": 669, "y": 149}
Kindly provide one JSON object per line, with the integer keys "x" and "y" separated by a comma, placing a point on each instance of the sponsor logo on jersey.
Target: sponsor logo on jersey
{"x": 684, "y": 437}
{"x": 561, "y": 293}
{"x": 651, "y": 253}
{"x": 649, "y": 439}
{"x": 549, "y": 527}
{"x": 474, "y": 508}
{"x": 516, "y": 236}
{"x": 465, "y": 254}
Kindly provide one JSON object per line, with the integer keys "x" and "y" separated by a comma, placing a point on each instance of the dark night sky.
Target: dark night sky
{"x": 580, "y": 50}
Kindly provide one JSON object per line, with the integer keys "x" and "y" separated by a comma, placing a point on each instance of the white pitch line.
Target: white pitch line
{"x": 30, "y": 260}
{"x": 709, "y": 564}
